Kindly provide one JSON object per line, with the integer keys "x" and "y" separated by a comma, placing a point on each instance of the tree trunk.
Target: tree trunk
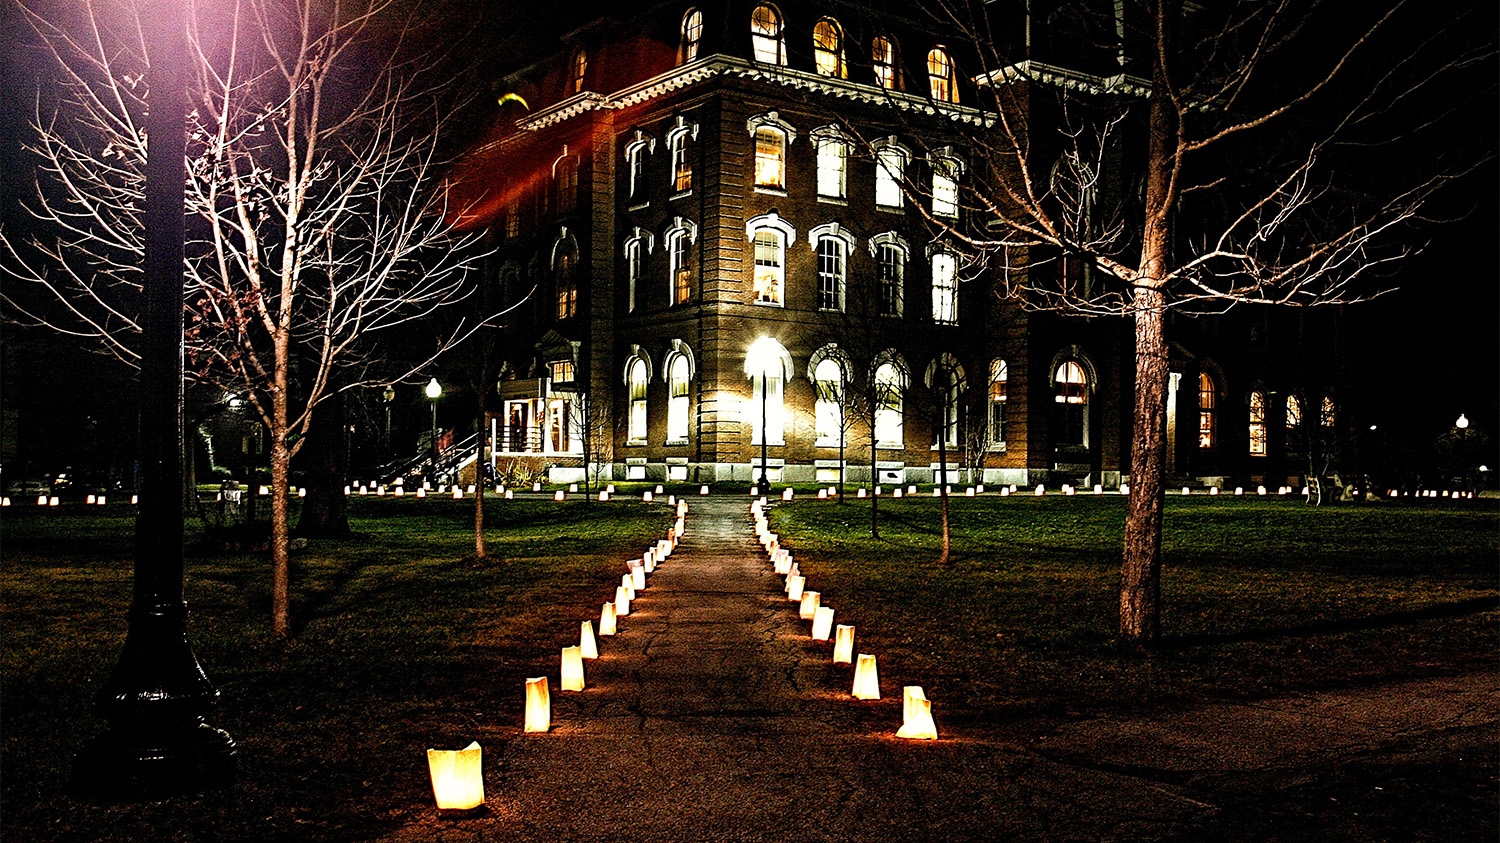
{"x": 281, "y": 458}
{"x": 943, "y": 470}
{"x": 1140, "y": 568}
{"x": 874, "y": 481}
{"x": 479, "y": 478}
{"x": 325, "y": 466}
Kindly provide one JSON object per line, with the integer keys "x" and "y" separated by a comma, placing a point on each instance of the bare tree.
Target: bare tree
{"x": 1221, "y": 154}
{"x": 317, "y": 215}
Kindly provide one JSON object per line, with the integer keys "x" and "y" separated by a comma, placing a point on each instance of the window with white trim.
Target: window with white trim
{"x": 680, "y": 146}
{"x": 889, "y": 251}
{"x": 679, "y": 237}
{"x": 770, "y": 158}
{"x": 769, "y": 236}
{"x": 944, "y": 288}
{"x": 637, "y": 246}
{"x": 766, "y": 43}
{"x": 580, "y": 67}
{"x": 891, "y": 159}
{"x": 833, "y": 244}
{"x": 946, "y": 169}
{"x": 828, "y": 407}
{"x": 890, "y": 383}
{"x": 565, "y": 275}
{"x": 1207, "y": 405}
{"x": 833, "y": 163}
{"x": 679, "y": 380}
{"x": 828, "y": 49}
{"x": 638, "y": 378}
{"x": 635, "y": 167}
{"x": 1070, "y": 399}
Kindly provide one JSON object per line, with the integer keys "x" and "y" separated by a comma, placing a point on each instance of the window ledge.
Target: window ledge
{"x": 998, "y": 448}
{"x": 635, "y": 443}
{"x": 768, "y": 303}
{"x": 639, "y": 206}
{"x": 828, "y": 443}
{"x": 770, "y": 191}
{"x": 683, "y": 195}
{"x": 675, "y": 442}
{"x": 833, "y": 200}
{"x": 891, "y": 209}
{"x": 890, "y": 446}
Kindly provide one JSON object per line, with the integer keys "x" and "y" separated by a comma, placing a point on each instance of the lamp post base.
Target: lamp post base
{"x": 151, "y": 761}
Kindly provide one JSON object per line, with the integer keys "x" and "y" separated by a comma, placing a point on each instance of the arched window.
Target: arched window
{"x": 1327, "y": 412}
{"x": 828, "y": 49}
{"x": 946, "y": 169}
{"x": 692, "y": 34}
{"x": 1071, "y": 397}
{"x": 1207, "y": 402}
{"x": 942, "y": 80}
{"x": 833, "y": 245}
{"x": 679, "y": 379}
{"x": 565, "y": 178}
{"x": 770, "y": 158}
{"x": 999, "y": 381}
{"x": 1257, "y": 424}
{"x": 890, "y": 384}
{"x": 767, "y": 365}
{"x": 680, "y": 143}
{"x": 828, "y": 409}
{"x": 1293, "y": 412}
{"x": 635, "y": 165}
{"x": 766, "y": 45}
{"x": 945, "y": 377}
{"x": 637, "y": 246}
{"x": 769, "y": 235}
{"x": 637, "y": 377}
{"x": 889, "y": 251}
{"x": 891, "y": 159}
{"x": 680, "y": 236}
{"x": 833, "y": 161}
{"x": 883, "y": 57}
{"x": 565, "y": 275}
{"x": 944, "y": 288}
{"x": 579, "y": 68}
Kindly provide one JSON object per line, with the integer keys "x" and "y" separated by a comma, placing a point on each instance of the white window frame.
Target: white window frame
{"x": 839, "y": 68}
{"x": 832, "y": 147}
{"x": 1259, "y": 430}
{"x": 828, "y": 405}
{"x": 768, "y": 48}
{"x": 832, "y": 233}
{"x": 995, "y": 407}
{"x": 637, "y": 392}
{"x": 678, "y": 404}
{"x": 692, "y": 36}
{"x": 786, "y": 234}
{"x": 944, "y": 264}
{"x": 947, "y": 169}
{"x": 942, "y": 88}
{"x": 889, "y": 193}
{"x": 885, "y": 71}
{"x": 673, "y": 241}
{"x": 636, "y": 185}
{"x": 678, "y": 149}
{"x": 770, "y": 121}
{"x": 898, "y": 246}
{"x": 890, "y": 428}
{"x": 637, "y": 246}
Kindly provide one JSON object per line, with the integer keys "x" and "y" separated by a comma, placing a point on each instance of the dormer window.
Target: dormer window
{"x": 828, "y": 49}
{"x": 579, "y": 67}
{"x": 766, "y": 43}
{"x": 883, "y": 58}
{"x": 942, "y": 76}
{"x": 692, "y": 34}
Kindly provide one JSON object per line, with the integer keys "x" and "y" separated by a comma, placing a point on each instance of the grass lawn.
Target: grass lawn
{"x": 403, "y": 642}
{"x": 1260, "y": 597}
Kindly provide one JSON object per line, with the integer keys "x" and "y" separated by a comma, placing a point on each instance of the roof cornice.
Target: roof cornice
{"x": 1063, "y": 77}
{"x": 730, "y": 66}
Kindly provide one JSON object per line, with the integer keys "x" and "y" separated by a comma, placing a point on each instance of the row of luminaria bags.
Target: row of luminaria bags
{"x": 916, "y": 710}
{"x": 457, "y": 775}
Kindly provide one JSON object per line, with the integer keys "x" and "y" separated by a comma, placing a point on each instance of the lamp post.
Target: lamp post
{"x": 434, "y": 392}
{"x": 758, "y": 361}
{"x": 389, "y": 395}
{"x": 157, "y": 743}
{"x": 1462, "y": 423}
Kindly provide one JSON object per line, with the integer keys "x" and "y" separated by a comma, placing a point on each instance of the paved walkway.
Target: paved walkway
{"x": 713, "y": 716}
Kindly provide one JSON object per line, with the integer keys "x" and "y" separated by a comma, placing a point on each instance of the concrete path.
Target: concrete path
{"x": 713, "y": 716}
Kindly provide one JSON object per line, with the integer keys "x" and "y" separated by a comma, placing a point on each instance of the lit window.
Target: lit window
{"x": 1327, "y": 412}
{"x": 565, "y": 173}
{"x": 1293, "y": 412}
{"x": 828, "y": 49}
{"x": 560, "y": 372}
{"x": 828, "y": 408}
{"x": 679, "y": 377}
{"x": 769, "y": 236}
{"x": 889, "y": 384}
{"x": 890, "y": 272}
{"x": 769, "y": 259}
{"x": 565, "y": 275}
{"x": 1206, "y": 403}
{"x": 513, "y": 218}
{"x": 638, "y": 378}
{"x": 941, "y": 74}
{"x": 770, "y": 158}
{"x": 830, "y": 273}
{"x": 580, "y": 67}
{"x": 766, "y": 366}
{"x": 679, "y": 267}
{"x": 945, "y": 172}
{"x": 692, "y": 33}
{"x": 883, "y": 57}
{"x": 944, "y": 288}
{"x": 1070, "y": 397}
{"x": 833, "y": 157}
{"x": 765, "y": 36}
{"x": 946, "y": 377}
{"x": 1257, "y": 424}
{"x": 561, "y": 434}
{"x": 890, "y": 168}
{"x": 999, "y": 377}
{"x": 680, "y": 143}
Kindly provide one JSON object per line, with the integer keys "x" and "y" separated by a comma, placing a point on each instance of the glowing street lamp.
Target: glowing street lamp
{"x": 434, "y": 392}
{"x": 759, "y": 360}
